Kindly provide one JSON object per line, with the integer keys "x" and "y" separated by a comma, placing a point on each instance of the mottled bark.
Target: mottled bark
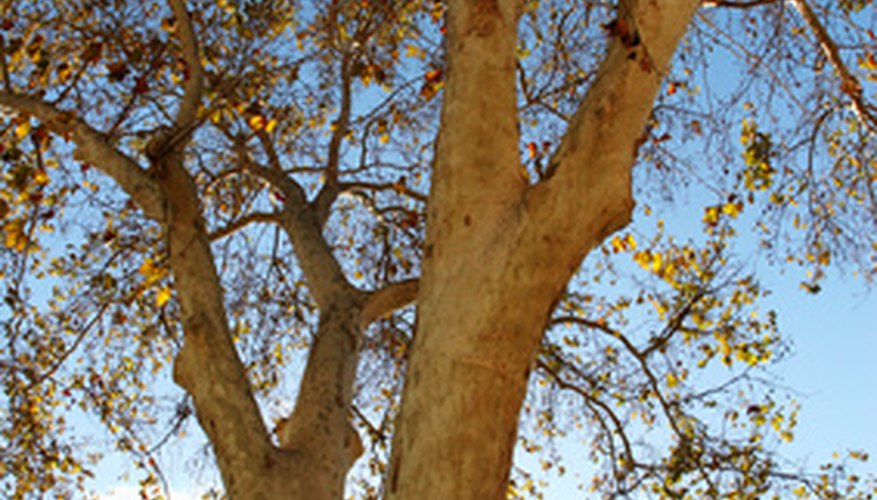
{"x": 207, "y": 366}
{"x": 480, "y": 320}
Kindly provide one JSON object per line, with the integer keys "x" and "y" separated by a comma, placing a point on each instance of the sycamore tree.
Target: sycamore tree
{"x": 399, "y": 197}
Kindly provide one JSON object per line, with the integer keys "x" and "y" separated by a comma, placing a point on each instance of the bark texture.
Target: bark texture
{"x": 480, "y": 320}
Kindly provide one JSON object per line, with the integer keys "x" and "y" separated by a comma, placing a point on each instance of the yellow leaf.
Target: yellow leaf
{"x": 624, "y": 244}
{"x": 22, "y": 130}
{"x": 271, "y": 125}
{"x": 711, "y": 216}
{"x": 643, "y": 258}
{"x": 617, "y": 244}
{"x": 732, "y": 209}
{"x": 15, "y": 237}
{"x": 163, "y": 296}
{"x": 256, "y": 122}
{"x": 385, "y": 138}
{"x": 151, "y": 271}
{"x": 657, "y": 262}
{"x": 40, "y": 177}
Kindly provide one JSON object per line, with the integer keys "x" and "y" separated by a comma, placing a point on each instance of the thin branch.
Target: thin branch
{"x": 563, "y": 384}
{"x": 7, "y": 84}
{"x": 95, "y": 148}
{"x": 746, "y": 4}
{"x": 374, "y": 431}
{"x": 720, "y": 36}
{"x": 641, "y": 359}
{"x": 387, "y": 299}
{"x": 83, "y": 332}
{"x": 237, "y": 225}
{"x": 300, "y": 222}
{"x": 403, "y": 190}
{"x": 270, "y": 150}
{"x": 329, "y": 191}
{"x": 849, "y": 84}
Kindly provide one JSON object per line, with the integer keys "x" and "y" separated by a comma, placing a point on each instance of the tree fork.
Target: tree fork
{"x": 480, "y": 321}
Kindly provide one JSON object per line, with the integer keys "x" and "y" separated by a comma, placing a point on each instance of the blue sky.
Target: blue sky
{"x": 833, "y": 366}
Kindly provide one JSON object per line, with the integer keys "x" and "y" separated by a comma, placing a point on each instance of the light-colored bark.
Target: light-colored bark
{"x": 319, "y": 425}
{"x": 92, "y": 147}
{"x": 193, "y": 81}
{"x": 207, "y": 366}
{"x": 480, "y": 320}
{"x": 388, "y": 299}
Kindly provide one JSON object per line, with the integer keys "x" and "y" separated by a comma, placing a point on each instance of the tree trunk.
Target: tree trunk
{"x": 499, "y": 253}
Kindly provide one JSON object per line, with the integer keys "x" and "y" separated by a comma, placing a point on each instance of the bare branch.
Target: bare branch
{"x": 330, "y": 190}
{"x": 251, "y": 218}
{"x": 746, "y": 4}
{"x": 402, "y": 190}
{"x": 641, "y": 359}
{"x": 4, "y": 67}
{"x": 388, "y": 299}
{"x": 591, "y": 400}
{"x": 95, "y": 148}
{"x": 270, "y": 150}
{"x": 849, "y": 84}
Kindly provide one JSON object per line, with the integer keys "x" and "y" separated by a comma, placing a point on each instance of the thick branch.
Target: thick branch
{"x": 303, "y": 227}
{"x": 94, "y": 148}
{"x": 476, "y": 176}
{"x": 591, "y": 168}
{"x": 207, "y": 366}
{"x": 319, "y": 426}
{"x": 849, "y": 84}
{"x": 194, "y": 77}
{"x": 387, "y": 299}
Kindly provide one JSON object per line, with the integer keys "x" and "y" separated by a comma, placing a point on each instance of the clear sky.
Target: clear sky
{"x": 834, "y": 365}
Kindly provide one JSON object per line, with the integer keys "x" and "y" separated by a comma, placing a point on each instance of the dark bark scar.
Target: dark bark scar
{"x": 485, "y": 15}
